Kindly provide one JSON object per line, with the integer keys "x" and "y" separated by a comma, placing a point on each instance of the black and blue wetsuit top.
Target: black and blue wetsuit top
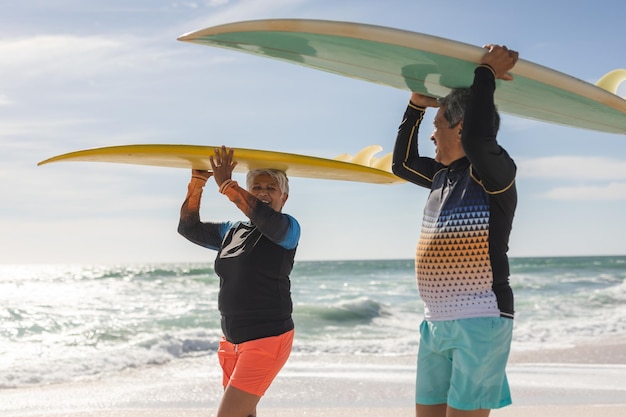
{"x": 254, "y": 261}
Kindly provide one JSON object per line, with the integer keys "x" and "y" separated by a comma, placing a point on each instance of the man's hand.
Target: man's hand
{"x": 424, "y": 101}
{"x": 501, "y": 59}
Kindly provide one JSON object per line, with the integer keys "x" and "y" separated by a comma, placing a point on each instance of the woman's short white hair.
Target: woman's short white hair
{"x": 278, "y": 175}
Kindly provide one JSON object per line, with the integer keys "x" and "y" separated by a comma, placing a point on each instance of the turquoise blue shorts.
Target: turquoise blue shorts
{"x": 462, "y": 363}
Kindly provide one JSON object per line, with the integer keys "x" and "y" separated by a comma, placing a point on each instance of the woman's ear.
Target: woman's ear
{"x": 284, "y": 198}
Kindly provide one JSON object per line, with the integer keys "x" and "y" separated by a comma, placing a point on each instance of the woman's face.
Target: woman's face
{"x": 266, "y": 188}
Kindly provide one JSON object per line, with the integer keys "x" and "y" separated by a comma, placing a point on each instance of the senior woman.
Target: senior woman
{"x": 254, "y": 260}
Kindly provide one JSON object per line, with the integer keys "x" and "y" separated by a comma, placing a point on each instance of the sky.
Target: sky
{"x": 77, "y": 74}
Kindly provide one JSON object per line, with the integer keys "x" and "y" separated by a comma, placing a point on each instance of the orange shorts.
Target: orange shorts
{"x": 252, "y": 366}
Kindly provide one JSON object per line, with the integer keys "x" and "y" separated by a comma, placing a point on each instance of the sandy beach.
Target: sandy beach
{"x": 577, "y": 381}
{"x": 550, "y": 411}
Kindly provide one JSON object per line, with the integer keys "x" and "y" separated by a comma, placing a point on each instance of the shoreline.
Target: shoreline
{"x": 605, "y": 351}
{"x": 583, "y": 380}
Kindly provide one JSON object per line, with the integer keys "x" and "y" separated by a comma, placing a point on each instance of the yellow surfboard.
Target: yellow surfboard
{"x": 426, "y": 64}
{"x": 362, "y": 167}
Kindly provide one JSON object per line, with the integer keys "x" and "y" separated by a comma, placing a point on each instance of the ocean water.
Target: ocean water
{"x": 62, "y": 323}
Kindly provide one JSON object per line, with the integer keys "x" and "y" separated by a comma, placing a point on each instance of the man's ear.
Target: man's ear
{"x": 460, "y": 127}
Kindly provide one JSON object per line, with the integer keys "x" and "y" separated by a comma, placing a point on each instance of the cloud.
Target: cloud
{"x": 227, "y": 12}
{"x": 5, "y": 101}
{"x": 591, "y": 178}
{"x": 573, "y": 168}
{"x": 615, "y": 191}
{"x": 40, "y": 55}
{"x": 67, "y": 57}
{"x": 39, "y": 127}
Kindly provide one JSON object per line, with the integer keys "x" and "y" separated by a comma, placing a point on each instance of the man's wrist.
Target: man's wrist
{"x": 489, "y": 67}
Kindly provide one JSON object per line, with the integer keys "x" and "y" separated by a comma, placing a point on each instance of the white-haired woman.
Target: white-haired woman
{"x": 254, "y": 260}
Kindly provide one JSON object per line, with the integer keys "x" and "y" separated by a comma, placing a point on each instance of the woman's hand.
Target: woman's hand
{"x": 222, "y": 164}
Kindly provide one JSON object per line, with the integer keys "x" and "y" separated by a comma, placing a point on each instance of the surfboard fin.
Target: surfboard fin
{"x": 612, "y": 80}
{"x": 366, "y": 158}
{"x": 383, "y": 163}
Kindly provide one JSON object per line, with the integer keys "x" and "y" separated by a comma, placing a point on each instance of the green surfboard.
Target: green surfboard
{"x": 422, "y": 63}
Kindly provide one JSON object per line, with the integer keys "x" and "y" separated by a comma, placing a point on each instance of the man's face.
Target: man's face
{"x": 447, "y": 140}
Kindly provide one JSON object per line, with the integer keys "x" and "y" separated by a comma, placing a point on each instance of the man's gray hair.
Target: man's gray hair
{"x": 456, "y": 102}
{"x": 278, "y": 175}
